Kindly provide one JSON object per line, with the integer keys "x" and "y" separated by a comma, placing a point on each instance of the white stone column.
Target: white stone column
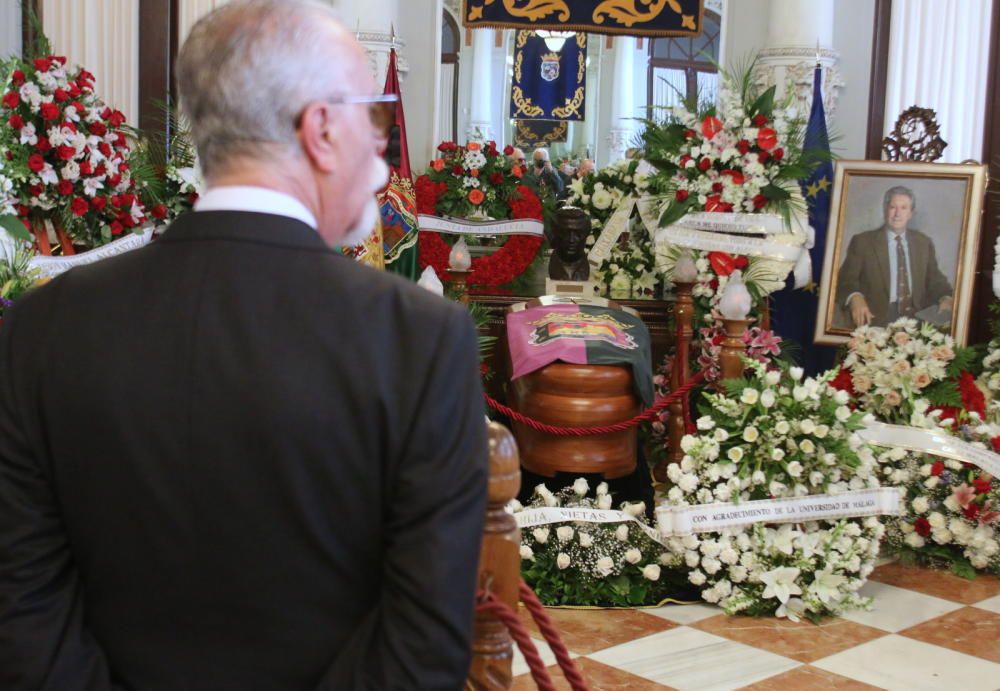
{"x": 10, "y": 28}
{"x": 102, "y": 36}
{"x": 375, "y": 22}
{"x": 622, "y": 98}
{"x": 797, "y": 31}
{"x": 481, "y": 93}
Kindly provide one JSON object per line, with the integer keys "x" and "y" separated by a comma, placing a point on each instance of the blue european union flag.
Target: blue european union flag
{"x": 794, "y": 312}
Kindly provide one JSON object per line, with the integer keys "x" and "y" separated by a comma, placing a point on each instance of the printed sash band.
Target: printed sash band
{"x": 544, "y": 515}
{"x": 709, "y": 518}
{"x": 460, "y": 226}
{"x": 720, "y": 242}
{"x": 931, "y": 442}
{"x": 745, "y": 224}
{"x": 613, "y": 230}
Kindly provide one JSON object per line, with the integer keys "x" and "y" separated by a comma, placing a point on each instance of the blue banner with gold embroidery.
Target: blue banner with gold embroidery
{"x": 624, "y": 17}
{"x": 548, "y": 84}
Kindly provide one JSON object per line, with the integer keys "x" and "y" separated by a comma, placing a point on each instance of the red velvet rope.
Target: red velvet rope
{"x": 489, "y": 603}
{"x": 647, "y": 415}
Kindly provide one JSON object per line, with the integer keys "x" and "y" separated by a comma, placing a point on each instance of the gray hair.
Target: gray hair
{"x": 900, "y": 191}
{"x": 544, "y": 152}
{"x": 249, "y": 69}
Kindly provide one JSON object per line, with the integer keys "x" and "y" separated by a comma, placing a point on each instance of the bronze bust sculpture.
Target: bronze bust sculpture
{"x": 570, "y": 228}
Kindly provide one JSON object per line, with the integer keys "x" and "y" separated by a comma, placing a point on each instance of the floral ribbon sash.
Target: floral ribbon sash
{"x": 459, "y": 226}
{"x": 932, "y": 442}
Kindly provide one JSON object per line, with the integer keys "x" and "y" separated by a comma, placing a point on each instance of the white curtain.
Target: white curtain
{"x": 102, "y": 36}
{"x": 938, "y": 55}
{"x": 446, "y": 109}
{"x": 708, "y": 87}
{"x": 668, "y": 84}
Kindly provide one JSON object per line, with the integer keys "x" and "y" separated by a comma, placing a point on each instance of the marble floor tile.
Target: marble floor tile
{"x": 686, "y": 658}
{"x": 519, "y": 666}
{"x": 968, "y": 630}
{"x": 802, "y": 641}
{"x": 940, "y": 584}
{"x": 599, "y": 677}
{"x": 992, "y": 604}
{"x": 684, "y": 614}
{"x": 897, "y": 662}
{"x": 585, "y": 631}
{"x": 809, "y": 678}
{"x": 896, "y": 609}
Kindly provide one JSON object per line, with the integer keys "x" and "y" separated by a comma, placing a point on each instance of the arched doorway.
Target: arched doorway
{"x": 451, "y": 45}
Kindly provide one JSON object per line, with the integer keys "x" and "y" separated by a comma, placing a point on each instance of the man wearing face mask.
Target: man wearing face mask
{"x": 216, "y": 470}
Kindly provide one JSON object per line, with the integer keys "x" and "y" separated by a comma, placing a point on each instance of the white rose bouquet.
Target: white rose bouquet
{"x": 777, "y": 435}
{"x": 614, "y": 564}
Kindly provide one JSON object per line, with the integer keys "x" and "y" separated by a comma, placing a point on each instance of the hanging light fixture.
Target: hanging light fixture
{"x": 554, "y": 40}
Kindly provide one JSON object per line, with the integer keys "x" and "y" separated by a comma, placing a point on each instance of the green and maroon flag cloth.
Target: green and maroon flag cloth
{"x": 580, "y": 335}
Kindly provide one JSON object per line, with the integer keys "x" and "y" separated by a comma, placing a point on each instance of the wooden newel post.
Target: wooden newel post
{"x": 733, "y": 348}
{"x": 679, "y": 375}
{"x": 499, "y": 566}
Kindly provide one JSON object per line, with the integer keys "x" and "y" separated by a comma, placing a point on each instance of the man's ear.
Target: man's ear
{"x": 317, "y": 135}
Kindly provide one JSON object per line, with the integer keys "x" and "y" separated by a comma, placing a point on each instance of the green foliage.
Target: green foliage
{"x": 16, "y": 274}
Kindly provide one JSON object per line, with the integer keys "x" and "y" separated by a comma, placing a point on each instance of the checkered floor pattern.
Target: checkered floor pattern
{"x": 928, "y": 630}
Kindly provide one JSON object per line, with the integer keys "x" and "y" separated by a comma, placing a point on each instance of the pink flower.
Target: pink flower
{"x": 963, "y": 494}
{"x": 986, "y": 516}
{"x": 765, "y": 342}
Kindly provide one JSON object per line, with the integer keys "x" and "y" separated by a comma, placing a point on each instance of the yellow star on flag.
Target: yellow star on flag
{"x": 824, "y": 183}
{"x": 812, "y": 190}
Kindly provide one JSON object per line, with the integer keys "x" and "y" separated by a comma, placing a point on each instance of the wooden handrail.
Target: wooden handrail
{"x": 499, "y": 566}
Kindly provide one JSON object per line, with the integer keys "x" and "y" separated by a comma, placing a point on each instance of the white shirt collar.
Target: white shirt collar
{"x": 892, "y": 235}
{"x": 255, "y": 199}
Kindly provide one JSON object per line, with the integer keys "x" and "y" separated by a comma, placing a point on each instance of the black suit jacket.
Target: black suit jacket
{"x": 237, "y": 460}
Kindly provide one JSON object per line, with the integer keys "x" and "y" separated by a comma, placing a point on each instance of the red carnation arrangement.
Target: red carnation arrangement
{"x": 476, "y": 181}
{"x": 67, "y": 157}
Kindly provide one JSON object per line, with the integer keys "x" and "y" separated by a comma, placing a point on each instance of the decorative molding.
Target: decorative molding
{"x": 717, "y": 6}
{"x": 793, "y": 67}
{"x": 915, "y": 137}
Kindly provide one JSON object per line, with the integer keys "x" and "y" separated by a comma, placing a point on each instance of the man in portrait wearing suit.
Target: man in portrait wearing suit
{"x": 892, "y": 271}
{"x": 217, "y": 469}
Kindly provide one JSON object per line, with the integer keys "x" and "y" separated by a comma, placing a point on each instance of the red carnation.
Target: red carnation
{"x": 457, "y": 170}
{"x": 86, "y": 168}
{"x": 121, "y": 141}
{"x": 759, "y": 120}
{"x": 767, "y": 138}
{"x": 717, "y": 187}
{"x": 17, "y": 77}
{"x": 159, "y": 211}
{"x": 922, "y": 526}
{"x": 937, "y": 468}
{"x": 69, "y": 126}
{"x": 684, "y": 160}
{"x": 736, "y": 176}
{"x": 496, "y": 178}
{"x": 971, "y": 511}
{"x": 116, "y": 228}
{"x": 50, "y": 111}
{"x": 995, "y": 443}
{"x": 778, "y": 154}
{"x": 60, "y": 95}
{"x": 981, "y": 484}
{"x": 12, "y": 99}
{"x": 65, "y": 188}
{"x": 743, "y": 146}
{"x": 763, "y": 157}
{"x": 35, "y": 190}
{"x": 74, "y": 90}
{"x": 704, "y": 164}
{"x": 16, "y": 122}
{"x": 759, "y": 202}
{"x": 681, "y": 195}
{"x": 689, "y": 134}
{"x": 844, "y": 382}
{"x": 42, "y": 64}
{"x": 711, "y": 126}
{"x": 100, "y": 170}
{"x": 43, "y": 145}
{"x": 508, "y": 150}
{"x": 99, "y": 203}
{"x": 79, "y": 206}
{"x": 105, "y": 149}
{"x": 65, "y": 153}
{"x": 972, "y": 398}
{"x": 36, "y": 163}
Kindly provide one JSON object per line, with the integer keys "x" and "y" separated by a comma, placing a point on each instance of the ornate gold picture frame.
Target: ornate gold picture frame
{"x": 929, "y": 215}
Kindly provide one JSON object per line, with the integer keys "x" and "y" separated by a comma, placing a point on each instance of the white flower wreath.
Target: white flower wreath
{"x": 776, "y": 435}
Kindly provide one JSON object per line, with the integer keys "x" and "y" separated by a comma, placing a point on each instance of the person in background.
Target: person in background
{"x": 516, "y": 157}
{"x": 566, "y": 172}
{"x": 543, "y": 175}
{"x": 585, "y": 169}
{"x": 225, "y": 474}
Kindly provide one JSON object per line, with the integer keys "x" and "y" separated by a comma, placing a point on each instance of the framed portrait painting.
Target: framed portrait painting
{"x": 902, "y": 242}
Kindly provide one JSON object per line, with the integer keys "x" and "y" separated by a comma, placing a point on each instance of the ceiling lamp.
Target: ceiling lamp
{"x": 554, "y": 40}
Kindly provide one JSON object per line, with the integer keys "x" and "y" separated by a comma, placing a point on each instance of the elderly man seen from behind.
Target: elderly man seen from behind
{"x": 543, "y": 175}
{"x": 237, "y": 480}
